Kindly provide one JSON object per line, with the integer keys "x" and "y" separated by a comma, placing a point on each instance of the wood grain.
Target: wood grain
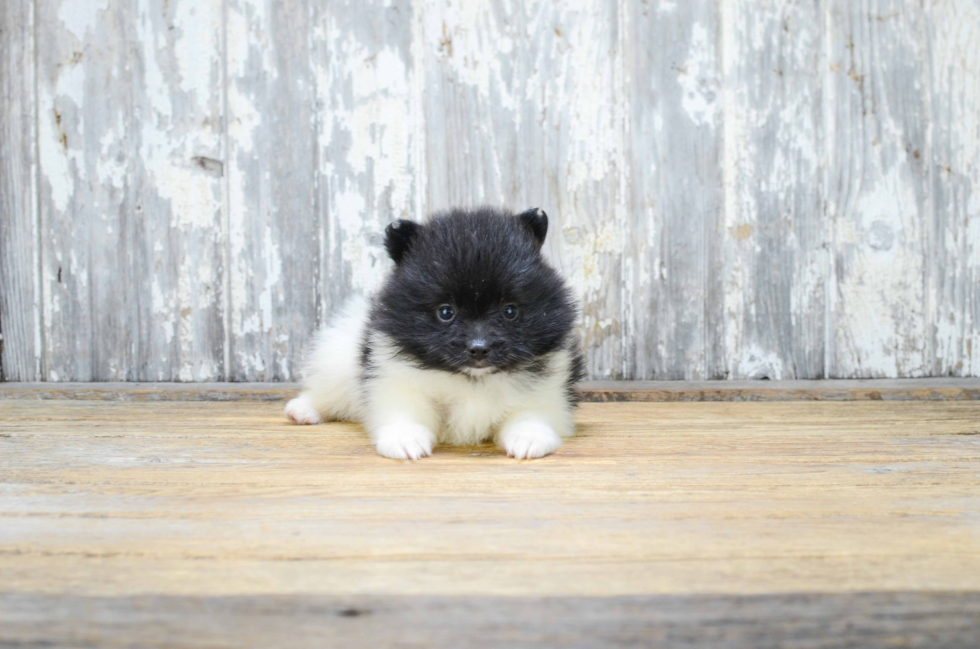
{"x": 878, "y": 195}
{"x": 674, "y": 286}
{"x": 738, "y": 190}
{"x": 589, "y": 391}
{"x": 85, "y": 277}
{"x": 369, "y": 149}
{"x": 511, "y": 119}
{"x": 665, "y": 498}
{"x": 272, "y": 224}
{"x": 954, "y": 257}
{"x": 775, "y": 229}
{"x": 20, "y": 332}
{"x": 130, "y": 140}
{"x": 852, "y": 620}
{"x": 740, "y": 513}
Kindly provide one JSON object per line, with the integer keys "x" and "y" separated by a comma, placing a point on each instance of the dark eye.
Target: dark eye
{"x": 510, "y": 312}
{"x": 446, "y": 313}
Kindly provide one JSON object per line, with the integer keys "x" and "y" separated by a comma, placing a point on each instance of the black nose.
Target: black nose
{"x": 478, "y": 349}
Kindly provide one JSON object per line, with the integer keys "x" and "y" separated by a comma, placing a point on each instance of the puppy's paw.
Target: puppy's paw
{"x": 301, "y": 411}
{"x": 528, "y": 439}
{"x": 404, "y": 441}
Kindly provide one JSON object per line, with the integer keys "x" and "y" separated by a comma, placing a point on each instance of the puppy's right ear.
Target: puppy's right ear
{"x": 398, "y": 238}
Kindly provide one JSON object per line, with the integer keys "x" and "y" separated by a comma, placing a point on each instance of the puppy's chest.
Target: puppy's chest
{"x": 471, "y": 410}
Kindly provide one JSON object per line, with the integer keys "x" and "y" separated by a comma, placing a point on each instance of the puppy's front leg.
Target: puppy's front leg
{"x": 401, "y": 421}
{"x": 527, "y": 436}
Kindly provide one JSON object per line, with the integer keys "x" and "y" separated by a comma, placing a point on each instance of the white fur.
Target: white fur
{"x": 407, "y": 410}
{"x": 404, "y": 440}
{"x": 301, "y": 410}
{"x": 331, "y": 375}
{"x": 528, "y": 438}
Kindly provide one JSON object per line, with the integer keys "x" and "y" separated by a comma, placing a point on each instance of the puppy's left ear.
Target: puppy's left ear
{"x": 536, "y": 221}
{"x": 398, "y": 238}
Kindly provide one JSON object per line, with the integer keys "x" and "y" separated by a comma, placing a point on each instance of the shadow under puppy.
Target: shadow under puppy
{"x": 470, "y": 338}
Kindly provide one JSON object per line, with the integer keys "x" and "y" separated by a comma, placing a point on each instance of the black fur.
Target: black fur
{"x": 367, "y": 359}
{"x": 398, "y": 238}
{"x": 536, "y": 221}
{"x": 476, "y": 261}
{"x": 576, "y": 374}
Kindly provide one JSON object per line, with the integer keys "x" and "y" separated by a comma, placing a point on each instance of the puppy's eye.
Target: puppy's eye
{"x": 445, "y": 313}
{"x": 510, "y": 312}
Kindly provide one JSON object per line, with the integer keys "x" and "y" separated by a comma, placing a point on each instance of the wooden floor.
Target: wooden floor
{"x": 699, "y": 524}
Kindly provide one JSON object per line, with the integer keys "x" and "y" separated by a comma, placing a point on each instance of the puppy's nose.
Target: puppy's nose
{"x": 478, "y": 349}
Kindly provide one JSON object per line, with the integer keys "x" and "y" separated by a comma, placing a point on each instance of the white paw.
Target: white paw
{"x": 404, "y": 441}
{"x": 528, "y": 439}
{"x": 301, "y": 411}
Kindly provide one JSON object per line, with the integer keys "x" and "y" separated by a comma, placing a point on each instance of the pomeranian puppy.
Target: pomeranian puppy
{"x": 470, "y": 338}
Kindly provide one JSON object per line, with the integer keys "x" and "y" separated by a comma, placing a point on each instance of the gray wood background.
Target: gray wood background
{"x": 738, "y": 189}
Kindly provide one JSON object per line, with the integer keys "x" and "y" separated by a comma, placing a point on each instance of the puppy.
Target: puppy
{"x": 470, "y": 338}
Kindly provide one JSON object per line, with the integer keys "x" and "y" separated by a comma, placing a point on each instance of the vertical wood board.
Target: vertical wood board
{"x": 20, "y": 345}
{"x": 736, "y": 189}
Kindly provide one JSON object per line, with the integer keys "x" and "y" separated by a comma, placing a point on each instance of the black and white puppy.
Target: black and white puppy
{"x": 470, "y": 338}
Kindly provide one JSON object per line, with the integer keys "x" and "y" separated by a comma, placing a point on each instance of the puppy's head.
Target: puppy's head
{"x": 471, "y": 292}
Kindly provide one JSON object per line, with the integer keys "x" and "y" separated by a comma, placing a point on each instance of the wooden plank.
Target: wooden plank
{"x": 120, "y": 499}
{"x": 134, "y": 391}
{"x": 686, "y": 152}
{"x": 905, "y": 619}
{"x": 775, "y": 227}
{"x": 524, "y": 107}
{"x": 678, "y": 147}
{"x": 480, "y": 63}
{"x": 955, "y": 183}
{"x": 369, "y": 153}
{"x": 20, "y": 344}
{"x": 877, "y": 188}
{"x": 83, "y": 118}
{"x": 175, "y": 280}
{"x": 272, "y": 222}
{"x": 580, "y": 134}
{"x": 826, "y": 390}
{"x": 963, "y": 389}
{"x": 755, "y": 525}
{"x": 674, "y": 275}
{"x": 130, "y": 145}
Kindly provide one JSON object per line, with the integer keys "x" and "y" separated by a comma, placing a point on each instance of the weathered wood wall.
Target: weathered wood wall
{"x": 739, "y": 188}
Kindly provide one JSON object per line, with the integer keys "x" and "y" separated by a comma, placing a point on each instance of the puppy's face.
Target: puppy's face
{"x": 472, "y": 294}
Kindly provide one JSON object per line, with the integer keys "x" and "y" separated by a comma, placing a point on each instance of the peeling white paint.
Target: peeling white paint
{"x": 880, "y": 303}
{"x": 699, "y": 79}
{"x": 814, "y": 143}
{"x": 199, "y": 24}
{"x": 460, "y": 34}
{"x": 247, "y": 30}
{"x": 80, "y": 16}
{"x": 163, "y": 308}
{"x": 273, "y": 264}
{"x": 157, "y": 90}
{"x": 245, "y": 120}
{"x": 61, "y": 116}
{"x": 191, "y": 195}
{"x": 758, "y": 363}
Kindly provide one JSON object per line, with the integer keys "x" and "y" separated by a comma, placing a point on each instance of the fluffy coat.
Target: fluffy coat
{"x": 470, "y": 338}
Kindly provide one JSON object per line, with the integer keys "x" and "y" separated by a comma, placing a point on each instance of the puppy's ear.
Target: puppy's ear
{"x": 398, "y": 238}
{"x": 536, "y": 221}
